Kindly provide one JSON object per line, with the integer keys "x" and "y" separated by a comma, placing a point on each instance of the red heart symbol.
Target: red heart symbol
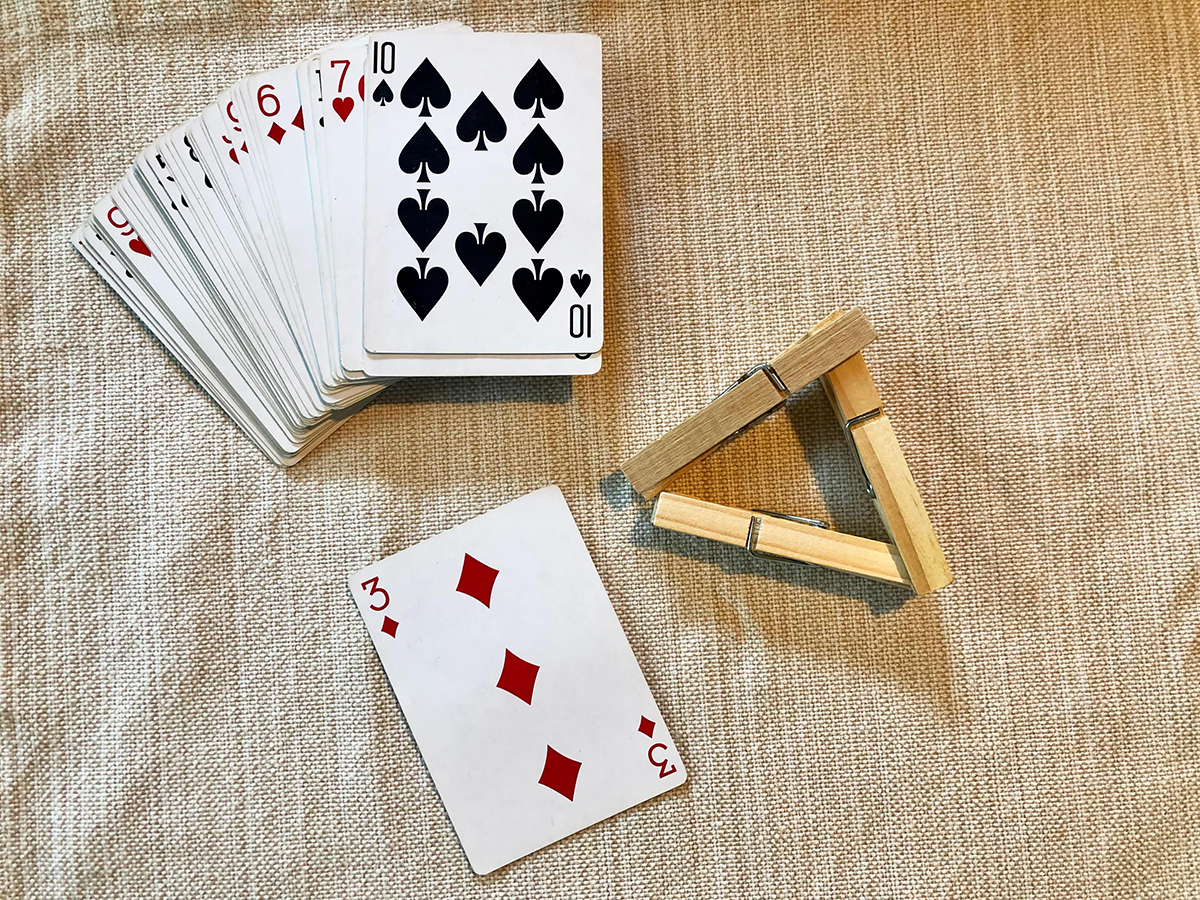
{"x": 138, "y": 246}
{"x": 343, "y": 107}
{"x": 362, "y": 88}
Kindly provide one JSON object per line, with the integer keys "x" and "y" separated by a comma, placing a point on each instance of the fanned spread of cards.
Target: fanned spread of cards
{"x": 239, "y": 238}
{"x": 516, "y": 680}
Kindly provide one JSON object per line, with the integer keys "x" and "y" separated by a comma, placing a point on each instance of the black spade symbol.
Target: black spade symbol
{"x": 480, "y": 256}
{"x": 537, "y": 289}
{"x": 537, "y": 89}
{"x": 581, "y": 282}
{"x": 538, "y": 221}
{"x": 424, "y": 152}
{"x": 481, "y": 119}
{"x": 383, "y": 94}
{"x": 423, "y": 220}
{"x": 425, "y": 87}
{"x": 422, "y": 290}
{"x": 537, "y": 154}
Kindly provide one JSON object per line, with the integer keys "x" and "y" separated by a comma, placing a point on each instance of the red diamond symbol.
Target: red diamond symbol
{"x": 299, "y": 120}
{"x": 560, "y": 773}
{"x": 517, "y": 677}
{"x": 477, "y": 580}
{"x": 389, "y": 626}
{"x": 276, "y": 133}
{"x": 647, "y": 727}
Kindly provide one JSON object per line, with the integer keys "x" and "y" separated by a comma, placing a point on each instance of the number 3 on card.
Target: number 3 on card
{"x": 376, "y": 589}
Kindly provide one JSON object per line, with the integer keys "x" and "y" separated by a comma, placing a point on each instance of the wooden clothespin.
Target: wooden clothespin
{"x": 831, "y": 352}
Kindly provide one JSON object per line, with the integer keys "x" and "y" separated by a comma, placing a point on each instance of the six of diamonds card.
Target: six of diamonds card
{"x": 516, "y": 680}
{"x": 483, "y": 162}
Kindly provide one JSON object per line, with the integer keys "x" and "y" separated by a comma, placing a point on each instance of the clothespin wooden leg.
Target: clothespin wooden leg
{"x": 760, "y": 390}
{"x": 900, "y": 505}
{"x": 773, "y": 535}
{"x": 851, "y": 390}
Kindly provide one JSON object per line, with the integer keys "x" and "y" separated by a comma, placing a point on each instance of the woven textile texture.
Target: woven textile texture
{"x": 189, "y": 703}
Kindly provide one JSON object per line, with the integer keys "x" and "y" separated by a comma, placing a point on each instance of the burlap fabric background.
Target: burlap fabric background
{"x": 189, "y": 704}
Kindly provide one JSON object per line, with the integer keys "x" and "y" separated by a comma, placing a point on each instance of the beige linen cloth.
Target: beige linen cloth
{"x": 189, "y": 704}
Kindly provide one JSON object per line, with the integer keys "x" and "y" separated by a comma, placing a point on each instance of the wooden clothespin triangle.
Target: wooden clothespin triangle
{"x": 832, "y": 351}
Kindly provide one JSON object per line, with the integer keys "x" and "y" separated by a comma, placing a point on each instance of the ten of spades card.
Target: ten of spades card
{"x": 483, "y": 219}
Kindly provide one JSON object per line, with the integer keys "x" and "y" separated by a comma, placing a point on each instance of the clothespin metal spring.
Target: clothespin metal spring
{"x": 756, "y": 526}
{"x": 850, "y": 423}
{"x": 770, "y": 372}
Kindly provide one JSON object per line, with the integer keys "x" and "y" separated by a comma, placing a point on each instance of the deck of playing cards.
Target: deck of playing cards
{"x": 516, "y": 680}
{"x": 406, "y": 203}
